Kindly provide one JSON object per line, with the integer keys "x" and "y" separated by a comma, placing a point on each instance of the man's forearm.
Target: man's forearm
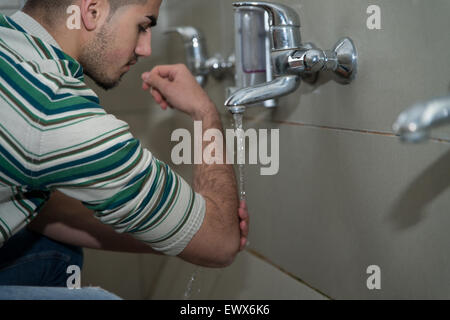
{"x": 217, "y": 241}
{"x": 217, "y": 182}
{"x": 66, "y": 220}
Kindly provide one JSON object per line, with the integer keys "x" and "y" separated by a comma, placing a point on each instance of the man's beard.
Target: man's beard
{"x": 94, "y": 62}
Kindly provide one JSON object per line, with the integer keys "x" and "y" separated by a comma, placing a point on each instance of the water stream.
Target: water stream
{"x": 239, "y": 127}
{"x": 190, "y": 291}
{"x": 193, "y": 287}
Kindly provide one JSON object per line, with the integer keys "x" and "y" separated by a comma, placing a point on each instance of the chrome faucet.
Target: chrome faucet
{"x": 414, "y": 124}
{"x": 291, "y": 59}
{"x": 197, "y": 58}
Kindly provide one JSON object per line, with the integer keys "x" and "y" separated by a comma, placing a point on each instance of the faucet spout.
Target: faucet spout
{"x": 251, "y": 95}
{"x": 414, "y": 124}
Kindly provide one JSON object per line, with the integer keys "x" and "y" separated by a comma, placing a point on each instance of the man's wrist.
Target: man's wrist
{"x": 209, "y": 111}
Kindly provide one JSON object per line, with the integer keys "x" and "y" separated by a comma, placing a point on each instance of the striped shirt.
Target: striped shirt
{"x": 54, "y": 135}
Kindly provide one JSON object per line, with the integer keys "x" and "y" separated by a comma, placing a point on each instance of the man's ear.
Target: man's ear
{"x": 93, "y": 12}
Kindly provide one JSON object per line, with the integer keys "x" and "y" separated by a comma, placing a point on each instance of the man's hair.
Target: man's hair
{"x": 55, "y": 7}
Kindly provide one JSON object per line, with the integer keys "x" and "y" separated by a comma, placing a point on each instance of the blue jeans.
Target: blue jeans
{"x": 33, "y": 266}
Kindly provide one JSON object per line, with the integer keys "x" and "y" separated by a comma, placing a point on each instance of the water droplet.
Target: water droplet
{"x": 192, "y": 281}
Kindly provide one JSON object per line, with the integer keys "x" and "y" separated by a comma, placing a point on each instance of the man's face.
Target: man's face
{"x": 119, "y": 43}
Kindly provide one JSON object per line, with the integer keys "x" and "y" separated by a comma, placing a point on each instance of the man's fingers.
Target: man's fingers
{"x": 243, "y": 244}
{"x": 159, "y": 98}
{"x": 156, "y": 95}
{"x": 244, "y": 228}
{"x": 152, "y": 83}
{"x": 243, "y": 214}
{"x": 156, "y": 80}
{"x": 165, "y": 71}
{"x": 145, "y": 86}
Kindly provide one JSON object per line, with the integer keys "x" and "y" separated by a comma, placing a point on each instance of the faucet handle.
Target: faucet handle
{"x": 284, "y": 23}
{"x": 344, "y": 63}
{"x": 342, "y": 60}
{"x": 195, "y": 47}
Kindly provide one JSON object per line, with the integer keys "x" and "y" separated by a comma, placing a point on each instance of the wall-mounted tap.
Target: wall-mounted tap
{"x": 197, "y": 58}
{"x": 291, "y": 60}
{"x": 414, "y": 124}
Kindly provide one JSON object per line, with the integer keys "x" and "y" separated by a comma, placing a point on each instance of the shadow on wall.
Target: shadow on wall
{"x": 410, "y": 208}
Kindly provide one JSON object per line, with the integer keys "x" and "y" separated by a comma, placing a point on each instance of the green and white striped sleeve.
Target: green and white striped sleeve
{"x": 99, "y": 162}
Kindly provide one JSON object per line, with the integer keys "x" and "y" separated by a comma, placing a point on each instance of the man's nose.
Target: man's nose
{"x": 144, "y": 47}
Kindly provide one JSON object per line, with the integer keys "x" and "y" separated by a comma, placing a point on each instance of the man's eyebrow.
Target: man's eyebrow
{"x": 153, "y": 21}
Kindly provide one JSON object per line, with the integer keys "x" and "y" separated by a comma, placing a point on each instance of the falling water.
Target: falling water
{"x": 239, "y": 127}
{"x": 190, "y": 291}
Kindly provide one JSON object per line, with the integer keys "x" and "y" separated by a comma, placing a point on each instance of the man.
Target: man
{"x": 64, "y": 157}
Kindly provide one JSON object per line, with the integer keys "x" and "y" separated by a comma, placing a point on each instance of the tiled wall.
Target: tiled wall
{"x": 348, "y": 194}
{"x": 252, "y": 276}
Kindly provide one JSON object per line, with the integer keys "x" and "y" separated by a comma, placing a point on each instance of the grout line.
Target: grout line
{"x": 381, "y": 133}
{"x": 260, "y": 256}
{"x": 299, "y": 124}
{"x": 387, "y": 134}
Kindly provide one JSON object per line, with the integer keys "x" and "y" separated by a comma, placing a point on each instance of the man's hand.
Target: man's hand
{"x": 244, "y": 221}
{"x": 174, "y": 86}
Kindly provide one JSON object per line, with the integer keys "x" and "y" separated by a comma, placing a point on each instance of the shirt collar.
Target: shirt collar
{"x": 32, "y": 27}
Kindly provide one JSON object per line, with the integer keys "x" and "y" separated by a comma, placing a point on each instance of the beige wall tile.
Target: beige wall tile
{"x": 345, "y": 200}
{"x": 248, "y": 278}
{"x": 348, "y": 194}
